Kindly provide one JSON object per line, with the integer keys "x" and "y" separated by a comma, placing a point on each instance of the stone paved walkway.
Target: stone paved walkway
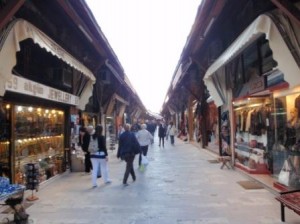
{"x": 179, "y": 186}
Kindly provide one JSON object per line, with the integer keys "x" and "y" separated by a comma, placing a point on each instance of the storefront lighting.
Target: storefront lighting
{"x": 7, "y": 106}
{"x": 53, "y": 111}
{"x": 20, "y": 108}
{"x": 46, "y": 111}
{"x": 255, "y": 105}
{"x": 39, "y": 109}
{"x": 30, "y": 109}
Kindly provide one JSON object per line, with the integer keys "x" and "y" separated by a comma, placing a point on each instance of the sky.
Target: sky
{"x": 148, "y": 37}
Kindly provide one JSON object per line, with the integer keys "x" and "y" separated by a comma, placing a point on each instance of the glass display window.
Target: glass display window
{"x": 5, "y": 135}
{"x": 38, "y": 138}
{"x": 252, "y": 120}
{"x": 286, "y": 149}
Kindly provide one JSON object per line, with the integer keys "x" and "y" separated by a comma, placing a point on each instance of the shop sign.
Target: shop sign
{"x": 24, "y": 86}
{"x": 256, "y": 85}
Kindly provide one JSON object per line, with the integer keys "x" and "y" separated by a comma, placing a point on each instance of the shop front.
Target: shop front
{"x": 37, "y": 95}
{"x": 212, "y": 127}
{"x": 261, "y": 90}
{"x": 33, "y": 133}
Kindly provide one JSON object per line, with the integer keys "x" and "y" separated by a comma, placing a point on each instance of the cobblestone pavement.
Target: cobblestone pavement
{"x": 179, "y": 186}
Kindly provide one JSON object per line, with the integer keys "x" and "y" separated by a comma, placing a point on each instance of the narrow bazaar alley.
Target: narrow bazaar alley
{"x": 181, "y": 185}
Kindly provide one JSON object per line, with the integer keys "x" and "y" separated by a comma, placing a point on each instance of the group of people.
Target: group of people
{"x": 129, "y": 145}
{"x": 166, "y": 132}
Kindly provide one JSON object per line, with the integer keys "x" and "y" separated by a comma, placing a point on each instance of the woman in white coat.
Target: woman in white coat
{"x": 172, "y": 131}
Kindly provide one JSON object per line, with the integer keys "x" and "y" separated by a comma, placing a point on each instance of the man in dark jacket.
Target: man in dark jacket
{"x": 128, "y": 147}
{"x": 162, "y": 134}
{"x": 84, "y": 141}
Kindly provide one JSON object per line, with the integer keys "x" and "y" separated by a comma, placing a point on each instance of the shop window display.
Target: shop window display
{"x": 38, "y": 138}
{"x": 4, "y": 139}
{"x": 268, "y": 135}
{"x": 252, "y": 120}
{"x": 289, "y": 141}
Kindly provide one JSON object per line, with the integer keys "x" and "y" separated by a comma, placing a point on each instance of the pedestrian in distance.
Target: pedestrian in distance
{"x": 172, "y": 131}
{"x": 127, "y": 149}
{"x": 99, "y": 156}
{"x": 161, "y": 134}
{"x": 84, "y": 141}
{"x": 144, "y": 138}
{"x": 167, "y": 132}
{"x": 151, "y": 127}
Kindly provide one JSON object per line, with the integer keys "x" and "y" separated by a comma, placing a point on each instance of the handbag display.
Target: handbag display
{"x": 284, "y": 175}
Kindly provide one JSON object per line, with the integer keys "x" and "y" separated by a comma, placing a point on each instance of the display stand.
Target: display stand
{"x": 32, "y": 179}
{"x": 112, "y": 142}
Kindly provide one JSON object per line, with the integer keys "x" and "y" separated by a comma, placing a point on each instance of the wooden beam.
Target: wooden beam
{"x": 289, "y": 9}
{"x": 82, "y": 26}
{"x": 191, "y": 119}
{"x": 9, "y": 10}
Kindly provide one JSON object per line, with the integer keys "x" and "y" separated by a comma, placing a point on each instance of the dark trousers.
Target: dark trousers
{"x": 172, "y": 139}
{"x": 162, "y": 140}
{"x": 87, "y": 163}
{"x": 144, "y": 150}
{"x": 129, "y": 167}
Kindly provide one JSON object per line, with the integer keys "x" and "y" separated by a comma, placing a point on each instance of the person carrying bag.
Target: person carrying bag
{"x": 99, "y": 156}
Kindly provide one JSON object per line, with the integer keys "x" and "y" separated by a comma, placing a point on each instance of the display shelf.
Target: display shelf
{"x": 32, "y": 179}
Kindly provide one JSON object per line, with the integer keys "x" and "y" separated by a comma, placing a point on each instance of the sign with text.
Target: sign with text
{"x": 257, "y": 85}
{"x": 24, "y": 86}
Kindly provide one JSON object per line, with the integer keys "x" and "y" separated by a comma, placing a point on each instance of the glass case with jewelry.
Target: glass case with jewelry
{"x": 39, "y": 138}
{"x": 5, "y": 135}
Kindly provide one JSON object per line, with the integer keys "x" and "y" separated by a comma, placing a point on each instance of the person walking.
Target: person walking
{"x": 161, "y": 134}
{"x": 145, "y": 138}
{"x": 151, "y": 127}
{"x": 99, "y": 157}
{"x": 172, "y": 131}
{"x": 84, "y": 141}
{"x": 127, "y": 149}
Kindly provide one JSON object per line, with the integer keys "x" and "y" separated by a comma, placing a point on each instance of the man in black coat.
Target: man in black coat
{"x": 128, "y": 148}
{"x": 84, "y": 141}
